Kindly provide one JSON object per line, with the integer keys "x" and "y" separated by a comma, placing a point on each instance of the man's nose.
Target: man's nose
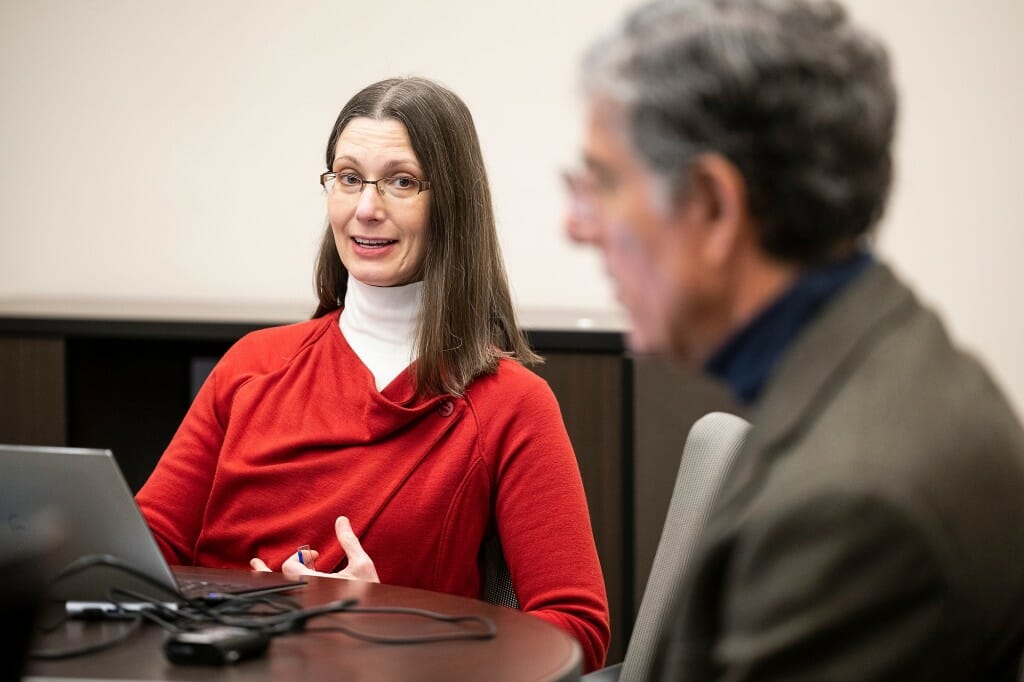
{"x": 581, "y": 225}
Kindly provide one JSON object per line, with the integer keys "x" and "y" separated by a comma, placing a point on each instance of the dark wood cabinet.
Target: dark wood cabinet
{"x": 121, "y": 375}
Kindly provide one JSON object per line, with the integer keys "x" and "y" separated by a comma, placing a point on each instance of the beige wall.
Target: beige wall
{"x": 170, "y": 150}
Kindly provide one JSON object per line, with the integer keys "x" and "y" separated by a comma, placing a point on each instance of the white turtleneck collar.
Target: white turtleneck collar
{"x": 379, "y": 324}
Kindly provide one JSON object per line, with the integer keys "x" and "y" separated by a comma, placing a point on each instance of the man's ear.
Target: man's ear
{"x": 715, "y": 202}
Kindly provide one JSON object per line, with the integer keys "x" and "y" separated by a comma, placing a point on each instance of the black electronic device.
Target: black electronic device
{"x": 216, "y": 645}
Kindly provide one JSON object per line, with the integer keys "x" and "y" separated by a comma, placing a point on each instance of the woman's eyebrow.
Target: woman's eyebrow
{"x": 344, "y": 158}
{"x": 388, "y": 167}
{"x": 407, "y": 163}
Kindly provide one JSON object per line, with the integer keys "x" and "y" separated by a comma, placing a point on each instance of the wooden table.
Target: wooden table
{"x": 525, "y": 648}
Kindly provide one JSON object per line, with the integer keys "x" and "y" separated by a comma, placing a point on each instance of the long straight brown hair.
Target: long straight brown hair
{"x": 467, "y": 321}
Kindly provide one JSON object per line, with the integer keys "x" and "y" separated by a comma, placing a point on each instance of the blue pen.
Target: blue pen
{"x": 299, "y": 554}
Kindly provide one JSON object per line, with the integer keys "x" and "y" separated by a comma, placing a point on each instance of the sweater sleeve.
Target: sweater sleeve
{"x": 543, "y": 522}
{"x": 174, "y": 498}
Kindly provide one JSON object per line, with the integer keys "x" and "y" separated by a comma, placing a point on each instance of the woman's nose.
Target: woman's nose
{"x": 371, "y": 205}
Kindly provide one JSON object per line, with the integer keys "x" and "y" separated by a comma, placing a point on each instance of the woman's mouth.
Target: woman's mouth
{"x": 373, "y": 243}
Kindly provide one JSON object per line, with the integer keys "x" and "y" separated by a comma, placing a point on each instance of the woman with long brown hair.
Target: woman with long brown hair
{"x": 397, "y": 432}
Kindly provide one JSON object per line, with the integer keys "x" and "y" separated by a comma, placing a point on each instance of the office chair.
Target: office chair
{"x": 498, "y": 587}
{"x": 711, "y": 446}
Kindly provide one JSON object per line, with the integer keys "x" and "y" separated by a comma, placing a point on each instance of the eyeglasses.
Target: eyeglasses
{"x": 581, "y": 189}
{"x": 399, "y": 187}
{"x": 576, "y": 182}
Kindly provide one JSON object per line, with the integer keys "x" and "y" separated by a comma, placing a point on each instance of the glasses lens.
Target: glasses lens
{"x": 581, "y": 195}
{"x": 350, "y": 183}
{"x": 401, "y": 187}
{"x": 575, "y": 182}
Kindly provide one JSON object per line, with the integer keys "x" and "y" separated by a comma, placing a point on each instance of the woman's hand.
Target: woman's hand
{"x": 360, "y": 566}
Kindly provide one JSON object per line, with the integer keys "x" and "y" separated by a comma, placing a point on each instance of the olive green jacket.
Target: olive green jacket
{"x": 873, "y": 524}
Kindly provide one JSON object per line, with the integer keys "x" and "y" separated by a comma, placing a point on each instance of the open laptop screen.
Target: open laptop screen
{"x": 89, "y": 491}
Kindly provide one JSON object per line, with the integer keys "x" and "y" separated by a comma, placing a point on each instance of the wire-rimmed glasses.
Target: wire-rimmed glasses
{"x": 399, "y": 186}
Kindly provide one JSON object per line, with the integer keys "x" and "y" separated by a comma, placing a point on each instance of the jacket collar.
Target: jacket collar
{"x": 746, "y": 360}
{"x": 818, "y": 364}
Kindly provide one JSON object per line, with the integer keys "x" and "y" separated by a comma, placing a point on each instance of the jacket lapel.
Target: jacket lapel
{"x": 818, "y": 365}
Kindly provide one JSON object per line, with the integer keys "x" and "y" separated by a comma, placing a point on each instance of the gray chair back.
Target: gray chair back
{"x": 711, "y": 447}
{"x": 497, "y": 579}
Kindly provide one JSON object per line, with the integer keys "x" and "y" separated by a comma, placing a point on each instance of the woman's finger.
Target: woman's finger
{"x": 360, "y": 566}
{"x": 257, "y": 565}
{"x": 294, "y": 567}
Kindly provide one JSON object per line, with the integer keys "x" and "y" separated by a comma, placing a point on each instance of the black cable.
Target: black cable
{"x": 84, "y": 563}
{"x": 134, "y": 625}
{"x": 149, "y": 612}
{"x": 270, "y": 614}
{"x": 489, "y": 632}
{"x": 134, "y": 618}
{"x": 50, "y": 627}
{"x": 289, "y": 621}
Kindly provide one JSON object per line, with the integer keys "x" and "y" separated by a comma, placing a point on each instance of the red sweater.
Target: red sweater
{"x": 289, "y": 432}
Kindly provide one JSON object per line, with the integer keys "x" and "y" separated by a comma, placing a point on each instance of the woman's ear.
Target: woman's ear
{"x": 715, "y": 204}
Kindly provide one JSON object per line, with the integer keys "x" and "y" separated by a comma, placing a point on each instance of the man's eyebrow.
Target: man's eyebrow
{"x": 592, "y": 162}
{"x": 597, "y": 167}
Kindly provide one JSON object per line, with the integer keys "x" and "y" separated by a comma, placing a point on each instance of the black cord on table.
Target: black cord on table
{"x": 270, "y": 614}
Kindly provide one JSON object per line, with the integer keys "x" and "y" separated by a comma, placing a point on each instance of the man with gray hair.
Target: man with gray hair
{"x": 738, "y": 154}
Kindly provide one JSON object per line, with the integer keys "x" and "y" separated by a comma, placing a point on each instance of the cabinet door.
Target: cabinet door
{"x": 32, "y": 391}
{"x": 589, "y": 388}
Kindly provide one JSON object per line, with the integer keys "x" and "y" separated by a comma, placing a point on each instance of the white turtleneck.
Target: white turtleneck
{"x": 379, "y": 324}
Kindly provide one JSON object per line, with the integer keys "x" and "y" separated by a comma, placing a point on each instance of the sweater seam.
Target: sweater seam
{"x": 449, "y": 518}
{"x": 478, "y": 459}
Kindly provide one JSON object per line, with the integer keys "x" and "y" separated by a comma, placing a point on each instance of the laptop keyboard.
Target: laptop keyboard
{"x": 206, "y": 588}
{"x": 193, "y": 588}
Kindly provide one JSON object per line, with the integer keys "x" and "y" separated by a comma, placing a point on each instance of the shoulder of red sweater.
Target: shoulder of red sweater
{"x": 509, "y": 381}
{"x": 274, "y": 345}
{"x": 512, "y": 396}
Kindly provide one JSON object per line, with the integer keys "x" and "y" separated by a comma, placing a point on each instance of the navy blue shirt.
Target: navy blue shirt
{"x": 747, "y": 359}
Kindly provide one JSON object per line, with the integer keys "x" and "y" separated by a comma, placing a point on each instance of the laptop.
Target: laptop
{"x": 87, "y": 490}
